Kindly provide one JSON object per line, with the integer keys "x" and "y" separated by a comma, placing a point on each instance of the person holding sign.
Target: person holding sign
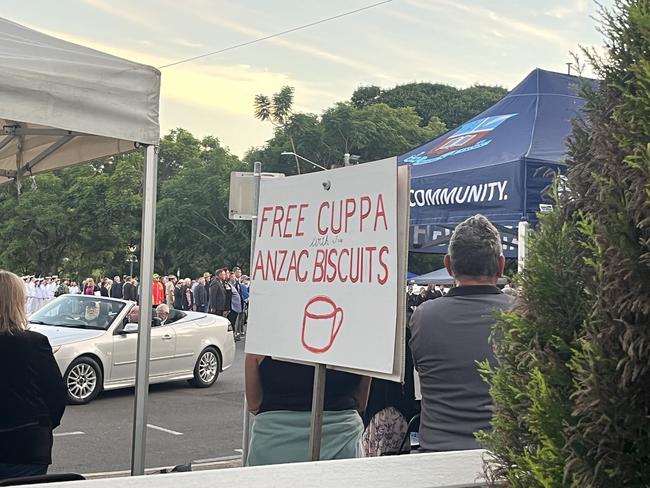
{"x": 279, "y": 394}
{"x": 450, "y": 335}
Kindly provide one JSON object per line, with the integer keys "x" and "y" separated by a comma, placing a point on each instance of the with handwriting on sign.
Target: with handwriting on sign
{"x": 324, "y": 277}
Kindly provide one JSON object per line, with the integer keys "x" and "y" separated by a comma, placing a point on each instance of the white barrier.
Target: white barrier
{"x": 457, "y": 469}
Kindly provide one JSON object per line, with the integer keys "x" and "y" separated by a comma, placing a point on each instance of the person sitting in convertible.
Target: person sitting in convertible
{"x": 168, "y": 316}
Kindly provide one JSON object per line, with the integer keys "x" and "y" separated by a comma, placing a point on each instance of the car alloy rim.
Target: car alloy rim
{"x": 208, "y": 366}
{"x": 82, "y": 380}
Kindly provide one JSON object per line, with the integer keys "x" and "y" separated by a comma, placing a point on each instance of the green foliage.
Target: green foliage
{"x": 193, "y": 231}
{"x": 81, "y": 221}
{"x": 610, "y": 172}
{"x": 572, "y": 387}
{"x": 532, "y": 384}
{"x": 276, "y": 109}
{"x": 372, "y": 132}
{"x": 449, "y": 105}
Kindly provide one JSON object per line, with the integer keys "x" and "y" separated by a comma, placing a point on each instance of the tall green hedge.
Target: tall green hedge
{"x": 532, "y": 384}
{"x": 572, "y": 386}
{"x": 610, "y": 174}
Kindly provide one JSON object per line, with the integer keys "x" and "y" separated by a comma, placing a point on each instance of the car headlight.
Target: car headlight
{"x": 55, "y": 349}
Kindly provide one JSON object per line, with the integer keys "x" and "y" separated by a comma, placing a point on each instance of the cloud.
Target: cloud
{"x": 579, "y": 7}
{"x": 503, "y": 21}
{"x": 190, "y": 44}
{"x": 112, "y": 9}
{"x": 408, "y": 18}
{"x": 287, "y": 43}
{"x": 224, "y": 88}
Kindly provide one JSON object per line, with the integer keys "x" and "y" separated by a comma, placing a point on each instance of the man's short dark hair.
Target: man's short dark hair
{"x": 474, "y": 248}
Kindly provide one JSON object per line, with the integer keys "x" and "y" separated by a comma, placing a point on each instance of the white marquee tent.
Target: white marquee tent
{"x": 62, "y": 104}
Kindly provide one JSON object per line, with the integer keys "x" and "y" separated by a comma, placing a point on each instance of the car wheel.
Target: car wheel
{"x": 83, "y": 380}
{"x": 206, "y": 369}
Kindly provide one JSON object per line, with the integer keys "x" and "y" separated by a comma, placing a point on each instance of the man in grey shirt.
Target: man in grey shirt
{"x": 450, "y": 334}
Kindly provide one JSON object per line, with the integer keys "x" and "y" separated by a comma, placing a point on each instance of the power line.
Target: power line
{"x": 277, "y": 34}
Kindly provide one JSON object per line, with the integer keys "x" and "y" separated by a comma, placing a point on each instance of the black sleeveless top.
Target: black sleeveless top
{"x": 289, "y": 386}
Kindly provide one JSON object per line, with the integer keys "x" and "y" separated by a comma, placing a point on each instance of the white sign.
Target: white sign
{"x": 325, "y": 278}
{"x": 242, "y": 194}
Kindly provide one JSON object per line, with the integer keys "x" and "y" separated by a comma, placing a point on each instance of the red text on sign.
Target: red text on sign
{"x": 342, "y": 216}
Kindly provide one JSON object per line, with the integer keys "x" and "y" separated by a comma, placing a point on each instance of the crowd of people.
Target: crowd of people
{"x": 225, "y": 293}
{"x": 448, "y": 334}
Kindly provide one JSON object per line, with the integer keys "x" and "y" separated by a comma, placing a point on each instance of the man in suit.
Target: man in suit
{"x": 167, "y": 315}
{"x": 128, "y": 291}
{"x": 200, "y": 296}
{"x": 117, "y": 288}
{"x": 219, "y": 294}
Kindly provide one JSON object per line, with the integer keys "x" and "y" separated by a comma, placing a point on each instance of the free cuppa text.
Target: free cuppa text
{"x": 334, "y": 263}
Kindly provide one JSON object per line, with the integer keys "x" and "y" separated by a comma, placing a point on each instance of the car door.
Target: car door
{"x": 125, "y": 347}
{"x": 189, "y": 338}
{"x": 163, "y": 349}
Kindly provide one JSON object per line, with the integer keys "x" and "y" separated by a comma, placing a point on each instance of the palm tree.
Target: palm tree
{"x": 277, "y": 110}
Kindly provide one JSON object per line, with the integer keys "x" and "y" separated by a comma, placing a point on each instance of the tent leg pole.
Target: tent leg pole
{"x": 147, "y": 246}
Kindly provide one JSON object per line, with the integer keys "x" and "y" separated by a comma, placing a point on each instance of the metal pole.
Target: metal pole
{"x": 318, "y": 402}
{"x": 147, "y": 247}
{"x": 20, "y": 146}
{"x": 257, "y": 173}
{"x": 522, "y": 237}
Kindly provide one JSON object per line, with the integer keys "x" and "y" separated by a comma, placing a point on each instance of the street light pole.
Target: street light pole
{"x": 131, "y": 258}
{"x": 291, "y": 153}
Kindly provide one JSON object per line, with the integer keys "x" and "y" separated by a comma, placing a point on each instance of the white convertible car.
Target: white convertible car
{"x": 95, "y": 345}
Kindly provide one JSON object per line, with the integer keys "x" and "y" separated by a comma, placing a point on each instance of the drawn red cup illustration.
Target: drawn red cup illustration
{"x": 321, "y": 324}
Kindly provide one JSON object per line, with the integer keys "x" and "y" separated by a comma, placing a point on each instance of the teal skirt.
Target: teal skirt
{"x": 283, "y": 437}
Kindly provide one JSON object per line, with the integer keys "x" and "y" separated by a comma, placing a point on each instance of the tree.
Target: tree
{"x": 450, "y": 105}
{"x": 77, "y": 219}
{"x": 277, "y": 110}
{"x": 610, "y": 176}
{"x": 366, "y": 95}
{"x": 572, "y": 385}
{"x": 194, "y": 233}
{"x": 81, "y": 221}
{"x": 531, "y": 386}
{"x": 373, "y": 132}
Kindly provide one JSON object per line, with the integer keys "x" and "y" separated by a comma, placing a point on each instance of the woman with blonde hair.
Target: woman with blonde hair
{"x": 32, "y": 391}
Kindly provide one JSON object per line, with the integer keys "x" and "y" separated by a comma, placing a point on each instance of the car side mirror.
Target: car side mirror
{"x": 130, "y": 328}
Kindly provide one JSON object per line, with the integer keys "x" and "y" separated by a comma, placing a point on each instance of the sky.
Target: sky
{"x": 460, "y": 43}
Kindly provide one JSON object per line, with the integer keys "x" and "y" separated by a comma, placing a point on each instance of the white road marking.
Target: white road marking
{"x": 197, "y": 465}
{"x": 215, "y": 460}
{"x": 162, "y": 429}
{"x": 63, "y": 434}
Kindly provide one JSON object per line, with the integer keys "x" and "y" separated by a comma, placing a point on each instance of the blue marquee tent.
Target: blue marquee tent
{"x": 499, "y": 163}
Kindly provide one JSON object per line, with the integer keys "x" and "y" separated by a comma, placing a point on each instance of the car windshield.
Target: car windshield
{"x": 83, "y": 312}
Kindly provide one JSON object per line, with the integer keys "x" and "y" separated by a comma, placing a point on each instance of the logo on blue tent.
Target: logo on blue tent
{"x": 468, "y": 137}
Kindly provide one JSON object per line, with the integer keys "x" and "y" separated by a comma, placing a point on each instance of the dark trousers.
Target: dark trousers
{"x": 234, "y": 320}
{"x": 21, "y": 470}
